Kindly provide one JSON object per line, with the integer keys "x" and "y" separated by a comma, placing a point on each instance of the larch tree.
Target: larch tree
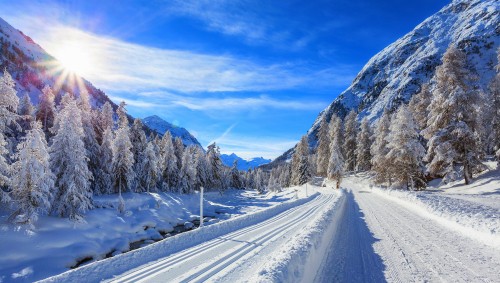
{"x": 149, "y": 167}
{"x": 9, "y": 103}
{"x": 495, "y": 121}
{"x": 215, "y": 166}
{"x": 68, "y": 159}
{"x": 189, "y": 173}
{"x": 123, "y": 158}
{"x": 336, "y": 161}
{"x": 170, "y": 172}
{"x": 418, "y": 106}
{"x": 453, "y": 126}
{"x": 104, "y": 176}
{"x": 379, "y": 149}
{"x": 323, "y": 149}
{"x": 46, "y": 109}
{"x": 179, "y": 151}
{"x": 32, "y": 178}
{"x": 349, "y": 146}
{"x": 202, "y": 168}
{"x": 235, "y": 176}
{"x": 5, "y": 170}
{"x": 364, "y": 142}
{"x": 301, "y": 172}
{"x": 26, "y": 112}
{"x": 104, "y": 120}
{"x": 89, "y": 137}
{"x": 139, "y": 144}
{"x": 406, "y": 153}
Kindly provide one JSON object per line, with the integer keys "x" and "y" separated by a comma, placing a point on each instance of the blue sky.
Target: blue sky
{"x": 250, "y": 75}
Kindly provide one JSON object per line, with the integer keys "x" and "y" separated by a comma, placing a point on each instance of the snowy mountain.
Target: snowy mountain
{"x": 397, "y": 72}
{"x": 243, "y": 164}
{"x": 33, "y": 68}
{"x": 161, "y": 127}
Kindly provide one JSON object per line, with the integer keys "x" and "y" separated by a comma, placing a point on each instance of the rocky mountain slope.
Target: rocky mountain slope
{"x": 397, "y": 72}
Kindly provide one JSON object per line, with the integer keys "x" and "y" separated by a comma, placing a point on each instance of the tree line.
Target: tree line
{"x": 445, "y": 131}
{"x": 55, "y": 159}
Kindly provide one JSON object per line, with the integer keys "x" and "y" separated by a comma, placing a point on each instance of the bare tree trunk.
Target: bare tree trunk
{"x": 467, "y": 176}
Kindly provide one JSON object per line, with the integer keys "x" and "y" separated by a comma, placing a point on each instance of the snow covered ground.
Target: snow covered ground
{"x": 358, "y": 234}
{"x": 391, "y": 238}
{"x": 58, "y": 244}
{"x": 473, "y": 210}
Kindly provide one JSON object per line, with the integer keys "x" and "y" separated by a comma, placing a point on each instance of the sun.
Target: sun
{"x": 74, "y": 58}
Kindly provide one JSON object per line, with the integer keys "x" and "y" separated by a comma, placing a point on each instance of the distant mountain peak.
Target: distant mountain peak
{"x": 243, "y": 164}
{"x": 161, "y": 126}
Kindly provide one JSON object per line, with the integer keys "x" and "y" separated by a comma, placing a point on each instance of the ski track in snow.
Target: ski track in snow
{"x": 359, "y": 235}
{"x": 381, "y": 240}
{"x": 229, "y": 257}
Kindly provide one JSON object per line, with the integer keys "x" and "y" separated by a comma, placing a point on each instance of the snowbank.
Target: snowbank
{"x": 471, "y": 219}
{"x": 57, "y": 244}
{"x": 107, "y": 268}
{"x": 302, "y": 257}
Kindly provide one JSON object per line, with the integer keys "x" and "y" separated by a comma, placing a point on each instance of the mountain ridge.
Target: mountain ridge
{"x": 161, "y": 126}
{"x": 243, "y": 164}
{"x": 398, "y": 71}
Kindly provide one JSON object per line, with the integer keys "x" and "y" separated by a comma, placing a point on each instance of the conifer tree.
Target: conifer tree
{"x": 149, "y": 167}
{"x": 453, "y": 126}
{"x": 202, "y": 168}
{"x": 179, "y": 151}
{"x": 406, "y": 153}
{"x": 323, "y": 149}
{"x": 418, "y": 106}
{"x": 235, "y": 176}
{"x": 104, "y": 176}
{"x": 495, "y": 121}
{"x": 5, "y": 170}
{"x": 123, "y": 158}
{"x": 349, "y": 146}
{"x": 32, "y": 179}
{"x": 215, "y": 167}
{"x": 301, "y": 173}
{"x": 104, "y": 120}
{"x": 170, "y": 173}
{"x": 89, "y": 138}
{"x": 364, "y": 142}
{"x": 26, "y": 112}
{"x": 336, "y": 161}
{"x": 46, "y": 109}
{"x": 379, "y": 149}
{"x": 69, "y": 163}
{"x": 139, "y": 144}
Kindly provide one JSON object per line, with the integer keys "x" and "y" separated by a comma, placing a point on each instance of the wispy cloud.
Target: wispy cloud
{"x": 122, "y": 66}
{"x": 167, "y": 100}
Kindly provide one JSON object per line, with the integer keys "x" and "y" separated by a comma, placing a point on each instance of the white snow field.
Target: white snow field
{"x": 357, "y": 234}
{"x": 235, "y": 249}
{"x": 57, "y": 244}
{"x": 388, "y": 240}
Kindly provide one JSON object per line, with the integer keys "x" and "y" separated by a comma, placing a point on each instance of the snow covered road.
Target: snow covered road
{"x": 234, "y": 256}
{"x": 384, "y": 240}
